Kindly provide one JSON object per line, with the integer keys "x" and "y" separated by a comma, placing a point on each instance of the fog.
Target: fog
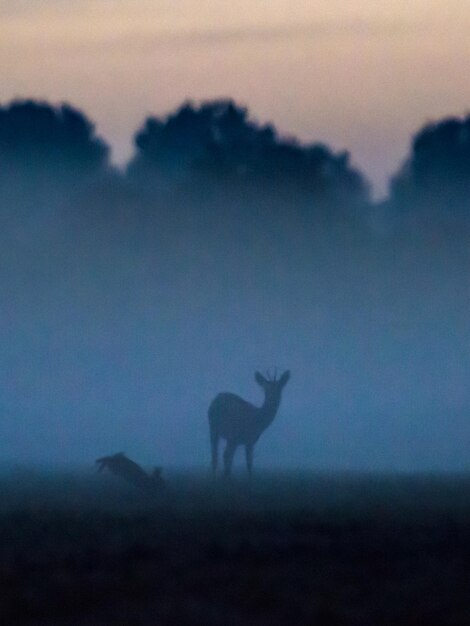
{"x": 131, "y": 298}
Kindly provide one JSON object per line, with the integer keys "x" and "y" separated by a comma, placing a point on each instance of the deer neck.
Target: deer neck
{"x": 268, "y": 411}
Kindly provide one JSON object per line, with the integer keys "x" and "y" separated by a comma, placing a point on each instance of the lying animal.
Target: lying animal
{"x": 120, "y": 465}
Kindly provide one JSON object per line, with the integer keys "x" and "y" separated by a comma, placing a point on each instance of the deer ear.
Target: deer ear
{"x": 284, "y": 378}
{"x": 260, "y": 379}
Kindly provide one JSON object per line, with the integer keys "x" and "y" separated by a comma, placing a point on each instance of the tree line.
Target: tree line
{"x": 213, "y": 152}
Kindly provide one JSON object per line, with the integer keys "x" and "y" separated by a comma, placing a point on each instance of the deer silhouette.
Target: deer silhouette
{"x": 120, "y": 465}
{"x": 241, "y": 423}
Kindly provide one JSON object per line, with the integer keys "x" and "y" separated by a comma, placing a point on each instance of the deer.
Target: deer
{"x": 241, "y": 423}
{"x": 120, "y": 465}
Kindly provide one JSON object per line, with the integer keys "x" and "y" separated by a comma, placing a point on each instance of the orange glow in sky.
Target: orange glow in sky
{"x": 360, "y": 75}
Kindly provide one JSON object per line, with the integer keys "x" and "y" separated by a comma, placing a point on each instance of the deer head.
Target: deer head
{"x": 271, "y": 385}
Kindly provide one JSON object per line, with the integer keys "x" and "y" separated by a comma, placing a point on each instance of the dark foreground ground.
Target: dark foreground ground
{"x": 287, "y": 549}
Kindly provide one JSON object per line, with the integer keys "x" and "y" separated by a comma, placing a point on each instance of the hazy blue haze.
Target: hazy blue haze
{"x": 125, "y": 309}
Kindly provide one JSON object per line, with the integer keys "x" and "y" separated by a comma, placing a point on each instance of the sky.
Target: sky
{"x": 357, "y": 74}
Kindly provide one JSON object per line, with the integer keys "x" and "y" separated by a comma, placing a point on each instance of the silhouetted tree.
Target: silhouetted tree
{"x": 437, "y": 173}
{"x": 46, "y": 151}
{"x": 218, "y": 144}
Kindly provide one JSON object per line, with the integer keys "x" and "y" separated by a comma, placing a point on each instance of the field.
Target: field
{"x": 327, "y": 549}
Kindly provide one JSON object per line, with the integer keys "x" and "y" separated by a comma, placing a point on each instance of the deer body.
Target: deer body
{"x": 241, "y": 423}
{"x": 120, "y": 465}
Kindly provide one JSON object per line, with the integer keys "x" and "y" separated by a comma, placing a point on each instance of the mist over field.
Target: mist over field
{"x": 131, "y": 297}
{"x": 234, "y": 232}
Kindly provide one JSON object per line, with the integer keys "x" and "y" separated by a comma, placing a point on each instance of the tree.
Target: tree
{"x": 437, "y": 173}
{"x": 217, "y": 144}
{"x": 47, "y": 151}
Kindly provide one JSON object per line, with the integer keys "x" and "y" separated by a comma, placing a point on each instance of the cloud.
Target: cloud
{"x": 333, "y": 28}
{"x": 141, "y": 38}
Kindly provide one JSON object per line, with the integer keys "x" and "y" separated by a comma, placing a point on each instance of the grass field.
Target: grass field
{"x": 327, "y": 549}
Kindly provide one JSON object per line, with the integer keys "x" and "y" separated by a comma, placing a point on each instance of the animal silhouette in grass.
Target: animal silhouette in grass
{"x": 120, "y": 465}
{"x": 241, "y": 423}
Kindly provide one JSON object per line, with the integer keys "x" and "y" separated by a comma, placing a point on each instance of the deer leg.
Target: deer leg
{"x": 214, "y": 448}
{"x": 249, "y": 458}
{"x": 214, "y": 458}
{"x": 228, "y": 457}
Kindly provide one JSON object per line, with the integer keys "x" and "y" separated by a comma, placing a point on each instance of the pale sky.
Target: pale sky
{"x": 361, "y": 75}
